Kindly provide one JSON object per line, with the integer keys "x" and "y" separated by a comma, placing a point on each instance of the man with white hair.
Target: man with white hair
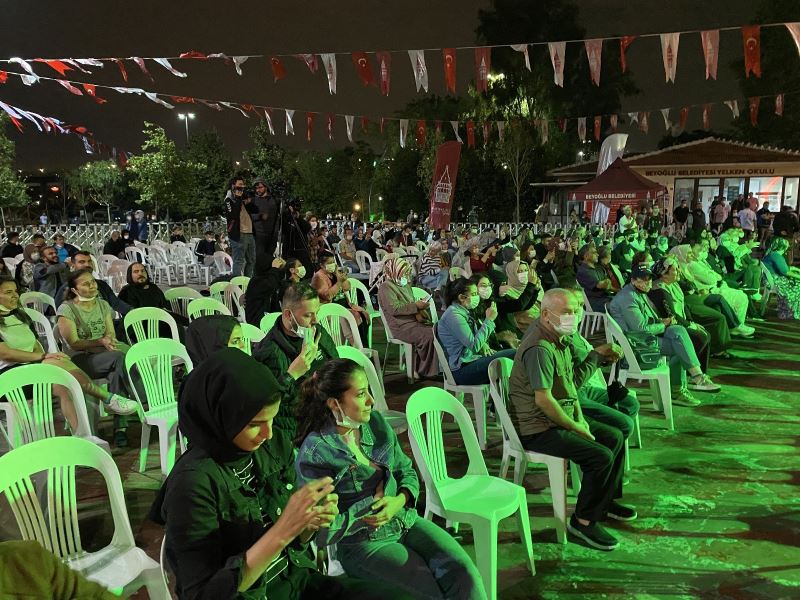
{"x": 544, "y": 406}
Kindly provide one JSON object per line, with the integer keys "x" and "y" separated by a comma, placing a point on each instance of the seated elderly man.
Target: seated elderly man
{"x": 635, "y": 313}
{"x": 549, "y": 368}
{"x": 593, "y": 278}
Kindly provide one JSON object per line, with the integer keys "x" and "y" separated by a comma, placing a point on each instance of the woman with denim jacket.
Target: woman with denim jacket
{"x": 378, "y": 534}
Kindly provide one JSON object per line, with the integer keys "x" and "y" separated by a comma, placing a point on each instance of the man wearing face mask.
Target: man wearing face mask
{"x": 549, "y": 367}
{"x": 295, "y": 348}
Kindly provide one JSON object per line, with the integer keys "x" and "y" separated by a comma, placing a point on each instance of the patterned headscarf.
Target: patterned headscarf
{"x": 395, "y": 268}
{"x": 513, "y": 277}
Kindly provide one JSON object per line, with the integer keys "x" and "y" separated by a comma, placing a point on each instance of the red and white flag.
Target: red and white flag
{"x": 707, "y": 116}
{"x": 91, "y": 90}
{"x": 363, "y": 68}
{"x": 384, "y": 71}
{"x": 613, "y": 119}
{"x": 624, "y": 42}
{"x": 710, "y": 40}
{"x": 238, "y": 61}
{"x": 268, "y": 117}
{"x": 454, "y": 125}
{"x": 598, "y": 126}
{"x": 310, "y": 116}
{"x": 669, "y": 54}
{"x": 278, "y": 70}
{"x": 753, "y": 103}
{"x": 166, "y": 64}
{"x": 449, "y": 57}
{"x": 420, "y": 70}
{"x": 644, "y": 122}
{"x": 751, "y": 39}
{"x": 582, "y": 128}
{"x": 329, "y": 122}
{"x": 348, "y": 121}
{"x": 289, "y": 123}
{"x": 524, "y": 49}
{"x": 683, "y": 118}
{"x": 483, "y": 64}
{"x": 403, "y": 131}
{"x": 794, "y": 31}
{"x": 470, "y": 134}
{"x": 734, "y": 106}
{"x": 594, "y": 53}
{"x": 667, "y": 122}
{"x": 329, "y": 61}
{"x": 310, "y": 60}
{"x": 779, "y": 105}
{"x": 142, "y": 67}
{"x": 69, "y": 87}
{"x": 122, "y": 69}
{"x": 422, "y": 134}
{"x": 557, "y": 50}
{"x": 59, "y": 66}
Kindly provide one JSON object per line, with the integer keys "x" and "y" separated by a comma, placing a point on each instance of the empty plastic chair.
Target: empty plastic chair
{"x": 202, "y": 307}
{"x": 145, "y": 324}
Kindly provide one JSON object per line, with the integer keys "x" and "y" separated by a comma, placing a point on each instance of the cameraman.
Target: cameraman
{"x": 237, "y": 210}
{"x": 295, "y": 234}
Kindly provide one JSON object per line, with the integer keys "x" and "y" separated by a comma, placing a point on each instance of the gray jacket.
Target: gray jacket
{"x": 48, "y": 278}
{"x": 634, "y": 312}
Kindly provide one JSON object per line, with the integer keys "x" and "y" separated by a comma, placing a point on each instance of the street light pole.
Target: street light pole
{"x": 185, "y": 117}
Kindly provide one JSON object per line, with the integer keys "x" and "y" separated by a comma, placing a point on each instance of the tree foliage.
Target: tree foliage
{"x": 96, "y": 181}
{"x": 12, "y": 188}
{"x": 211, "y": 167}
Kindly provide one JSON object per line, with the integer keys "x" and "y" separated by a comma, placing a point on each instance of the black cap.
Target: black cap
{"x": 641, "y": 272}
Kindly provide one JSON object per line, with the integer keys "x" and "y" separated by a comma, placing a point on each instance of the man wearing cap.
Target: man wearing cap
{"x": 635, "y": 313}
{"x": 265, "y": 223}
{"x": 594, "y": 279}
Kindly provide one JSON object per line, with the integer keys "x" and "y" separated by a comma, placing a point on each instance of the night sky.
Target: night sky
{"x": 83, "y": 28}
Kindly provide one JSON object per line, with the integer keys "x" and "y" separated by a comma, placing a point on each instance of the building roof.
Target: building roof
{"x": 708, "y": 151}
{"x": 618, "y": 182}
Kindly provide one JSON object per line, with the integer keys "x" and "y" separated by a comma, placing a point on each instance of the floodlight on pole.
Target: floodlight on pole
{"x": 186, "y": 117}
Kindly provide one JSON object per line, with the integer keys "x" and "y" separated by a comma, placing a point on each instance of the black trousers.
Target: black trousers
{"x": 602, "y": 462}
{"x": 322, "y": 587}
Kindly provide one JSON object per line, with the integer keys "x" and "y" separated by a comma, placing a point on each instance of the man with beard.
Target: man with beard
{"x": 49, "y": 274}
{"x": 83, "y": 260}
{"x": 140, "y": 293}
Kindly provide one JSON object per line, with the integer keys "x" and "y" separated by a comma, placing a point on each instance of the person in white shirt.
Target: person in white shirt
{"x": 626, "y": 221}
{"x": 747, "y": 220}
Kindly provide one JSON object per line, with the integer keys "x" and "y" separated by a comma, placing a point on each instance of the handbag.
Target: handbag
{"x": 646, "y": 349}
{"x": 616, "y": 391}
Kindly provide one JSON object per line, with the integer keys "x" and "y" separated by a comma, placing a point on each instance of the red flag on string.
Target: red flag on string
{"x": 751, "y": 39}
{"x": 594, "y": 54}
{"x": 470, "y": 134}
{"x": 310, "y": 60}
{"x": 779, "y": 105}
{"x": 449, "y": 56}
{"x": 91, "y": 90}
{"x": 3, "y": 76}
{"x": 707, "y": 116}
{"x": 710, "y": 41}
{"x": 562, "y": 124}
{"x": 278, "y": 70}
{"x": 182, "y": 99}
{"x": 56, "y": 65}
{"x": 598, "y": 120}
{"x": 363, "y": 68}
{"x": 193, "y": 54}
{"x": 684, "y": 117}
{"x": 644, "y": 122}
{"x": 329, "y": 125}
{"x": 310, "y": 116}
{"x": 122, "y": 70}
{"x": 483, "y": 64}
{"x": 384, "y": 72}
{"x": 754, "y": 103}
{"x": 624, "y": 42}
{"x": 364, "y": 124}
{"x": 422, "y": 134}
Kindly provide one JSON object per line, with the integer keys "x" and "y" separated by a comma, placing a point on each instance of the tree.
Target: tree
{"x": 96, "y": 181}
{"x": 269, "y": 160}
{"x": 515, "y": 156}
{"x": 212, "y": 168}
{"x": 12, "y": 188}
{"x": 162, "y": 177}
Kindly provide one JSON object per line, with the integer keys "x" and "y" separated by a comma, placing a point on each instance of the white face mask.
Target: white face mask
{"x": 301, "y": 271}
{"x": 567, "y": 324}
{"x": 331, "y": 268}
{"x": 34, "y": 256}
{"x": 342, "y": 420}
{"x": 485, "y": 292}
{"x": 473, "y": 302}
{"x": 403, "y": 281}
{"x": 80, "y": 298}
{"x": 307, "y": 333}
{"x": 523, "y": 277}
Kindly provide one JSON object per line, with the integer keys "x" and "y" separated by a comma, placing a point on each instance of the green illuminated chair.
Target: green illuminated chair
{"x": 202, "y": 307}
{"x": 180, "y": 297}
{"x": 252, "y": 335}
{"x": 44, "y": 330}
{"x": 268, "y": 321}
{"x": 218, "y": 289}
{"x": 476, "y": 498}
{"x": 145, "y": 323}
{"x": 38, "y": 301}
{"x": 120, "y": 566}
{"x": 359, "y": 294}
{"x": 242, "y": 281}
{"x": 232, "y": 299}
{"x": 333, "y": 318}
{"x": 154, "y": 361}
{"x": 420, "y": 294}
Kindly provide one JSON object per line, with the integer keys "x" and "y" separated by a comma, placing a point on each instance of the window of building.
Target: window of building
{"x": 767, "y": 188}
{"x": 684, "y": 190}
{"x": 790, "y": 192}
{"x": 732, "y": 187}
{"x": 707, "y": 190}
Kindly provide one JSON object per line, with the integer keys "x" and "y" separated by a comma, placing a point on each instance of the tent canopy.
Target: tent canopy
{"x": 618, "y": 184}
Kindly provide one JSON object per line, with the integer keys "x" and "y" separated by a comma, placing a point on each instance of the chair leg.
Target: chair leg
{"x": 166, "y": 447}
{"x": 154, "y": 583}
{"x": 409, "y": 357}
{"x": 520, "y": 468}
{"x": 145, "y": 442}
{"x": 484, "y": 533}
{"x": 655, "y": 390}
{"x": 479, "y": 403}
{"x": 504, "y": 464}
{"x": 627, "y": 451}
{"x": 575, "y": 471}
{"x": 557, "y": 472}
{"x": 666, "y": 399}
{"x": 637, "y": 432}
{"x": 525, "y": 529}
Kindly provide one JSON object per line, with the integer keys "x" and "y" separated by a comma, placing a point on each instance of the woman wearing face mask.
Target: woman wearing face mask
{"x": 332, "y": 285}
{"x": 378, "y": 534}
{"x": 464, "y": 337}
{"x": 516, "y": 304}
{"x": 86, "y": 324}
{"x": 408, "y": 319}
{"x": 510, "y": 336}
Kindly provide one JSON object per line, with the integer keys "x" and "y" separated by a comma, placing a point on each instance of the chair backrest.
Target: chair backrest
{"x": 106, "y": 260}
{"x": 135, "y": 254}
{"x": 769, "y": 278}
{"x": 268, "y": 321}
{"x": 180, "y": 297}
{"x": 420, "y": 294}
{"x": 427, "y": 442}
{"x": 422, "y": 247}
{"x": 34, "y": 419}
{"x": 330, "y": 316}
{"x": 364, "y": 260}
{"x": 357, "y": 288}
{"x": 44, "y": 330}
{"x": 242, "y": 281}
{"x": 55, "y": 526}
{"x": 499, "y": 372}
{"x": 217, "y": 289}
{"x": 252, "y": 335}
{"x": 375, "y": 381}
{"x": 618, "y": 336}
{"x": 202, "y": 307}
{"x": 456, "y": 272}
{"x": 381, "y": 254}
{"x": 442, "y": 356}
{"x": 232, "y": 298}
{"x": 146, "y": 323}
{"x": 37, "y": 301}
{"x": 223, "y": 262}
{"x": 153, "y": 360}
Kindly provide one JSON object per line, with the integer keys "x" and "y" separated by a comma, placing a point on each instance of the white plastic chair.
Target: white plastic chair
{"x": 44, "y": 330}
{"x": 136, "y": 254}
{"x": 160, "y": 266}
{"x": 591, "y": 318}
{"x": 658, "y": 376}
{"x": 769, "y": 288}
{"x": 145, "y": 323}
{"x": 38, "y": 301}
{"x": 479, "y": 393}
{"x": 420, "y": 294}
{"x": 476, "y": 498}
{"x": 252, "y": 335}
{"x": 359, "y": 294}
{"x": 406, "y": 349}
{"x": 396, "y": 419}
{"x": 456, "y": 272}
{"x": 232, "y": 299}
{"x": 223, "y": 263}
{"x": 242, "y": 281}
{"x": 331, "y": 317}
{"x": 364, "y": 261}
{"x": 381, "y": 254}
{"x": 422, "y": 247}
{"x": 268, "y": 321}
{"x": 202, "y": 307}
{"x": 118, "y": 566}
{"x": 180, "y": 297}
{"x": 154, "y": 361}
{"x": 32, "y": 420}
{"x": 217, "y": 289}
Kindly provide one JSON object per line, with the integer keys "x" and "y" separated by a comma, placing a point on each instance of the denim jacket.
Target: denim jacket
{"x": 461, "y": 336}
{"x": 325, "y": 453}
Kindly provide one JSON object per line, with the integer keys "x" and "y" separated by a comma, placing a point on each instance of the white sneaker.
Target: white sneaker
{"x": 703, "y": 384}
{"x": 120, "y": 405}
{"x": 683, "y": 397}
{"x": 743, "y": 331}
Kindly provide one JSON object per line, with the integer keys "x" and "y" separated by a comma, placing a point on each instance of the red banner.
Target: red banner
{"x": 363, "y": 68}
{"x": 422, "y": 134}
{"x": 449, "y": 56}
{"x": 751, "y": 38}
{"x": 483, "y": 64}
{"x": 278, "y": 70}
{"x": 443, "y": 186}
{"x": 384, "y": 71}
{"x": 624, "y": 42}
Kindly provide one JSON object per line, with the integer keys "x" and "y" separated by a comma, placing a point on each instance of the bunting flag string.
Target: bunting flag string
{"x": 594, "y": 54}
{"x": 669, "y": 54}
{"x": 624, "y": 42}
{"x": 710, "y": 41}
{"x": 557, "y": 50}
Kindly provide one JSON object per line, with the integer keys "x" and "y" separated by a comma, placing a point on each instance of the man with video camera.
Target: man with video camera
{"x": 295, "y": 234}
{"x": 240, "y": 211}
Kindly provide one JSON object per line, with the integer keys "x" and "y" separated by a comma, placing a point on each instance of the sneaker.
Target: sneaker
{"x": 756, "y": 297}
{"x": 703, "y": 384}
{"x": 683, "y": 397}
{"x": 620, "y": 512}
{"x": 743, "y": 331}
{"x": 121, "y": 438}
{"x": 593, "y": 534}
{"x": 120, "y": 405}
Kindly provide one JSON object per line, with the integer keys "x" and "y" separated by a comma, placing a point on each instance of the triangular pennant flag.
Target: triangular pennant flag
{"x": 26, "y": 66}
{"x": 278, "y": 70}
{"x": 92, "y": 62}
{"x": 483, "y": 64}
{"x": 582, "y": 128}
{"x": 794, "y": 31}
{"x": 365, "y": 124}
{"x": 751, "y": 40}
{"x": 212, "y": 105}
{"x": 562, "y": 124}
{"x": 707, "y": 116}
{"x": 501, "y": 127}
{"x": 29, "y": 79}
{"x": 87, "y": 146}
{"x": 594, "y": 53}
{"x": 420, "y": 70}
{"x": 143, "y": 67}
{"x": 154, "y": 98}
{"x": 683, "y": 118}
{"x": 363, "y": 68}
{"x": 487, "y": 131}
{"x": 644, "y": 124}
{"x": 710, "y": 40}
{"x": 669, "y": 54}
{"x": 557, "y": 50}
{"x": 624, "y": 42}
{"x": 329, "y": 61}
{"x": 3, "y": 77}
{"x": 59, "y": 66}
{"x": 235, "y": 106}
{"x": 348, "y": 121}
{"x": 422, "y": 134}
{"x": 91, "y": 90}
{"x": 633, "y": 117}
{"x": 779, "y": 105}
{"x": 449, "y": 57}
{"x": 268, "y": 117}
{"x": 598, "y": 127}
{"x": 667, "y": 122}
{"x": 524, "y": 49}
{"x": 613, "y": 120}
{"x": 75, "y": 65}
{"x": 544, "y": 130}
{"x": 193, "y": 54}
{"x": 15, "y": 118}
{"x": 69, "y": 87}
{"x": 310, "y": 60}
{"x": 734, "y": 106}
{"x": 753, "y": 104}
{"x": 166, "y": 64}
{"x": 289, "y": 123}
{"x": 122, "y": 69}
{"x": 454, "y": 125}
{"x": 238, "y": 61}
{"x": 329, "y": 121}
{"x": 470, "y": 134}
{"x": 310, "y": 116}
{"x": 384, "y": 71}
{"x": 403, "y": 131}
{"x": 183, "y": 99}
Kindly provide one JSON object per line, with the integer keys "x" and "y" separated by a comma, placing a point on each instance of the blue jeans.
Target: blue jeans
{"x": 594, "y": 403}
{"x": 244, "y": 255}
{"x": 424, "y": 560}
{"x": 477, "y": 371}
{"x": 434, "y": 282}
{"x": 677, "y": 346}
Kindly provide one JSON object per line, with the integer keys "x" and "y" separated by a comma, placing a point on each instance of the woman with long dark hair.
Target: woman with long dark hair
{"x": 378, "y": 534}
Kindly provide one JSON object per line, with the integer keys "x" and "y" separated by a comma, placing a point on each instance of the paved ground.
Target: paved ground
{"x": 717, "y": 497}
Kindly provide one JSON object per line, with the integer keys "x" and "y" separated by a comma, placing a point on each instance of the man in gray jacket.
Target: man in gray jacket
{"x": 49, "y": 274}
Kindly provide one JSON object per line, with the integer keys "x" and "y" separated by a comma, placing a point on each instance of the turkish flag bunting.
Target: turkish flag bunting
{"x": 122, "y": 69}
{"x": 310, "y": 60}
{"x": 438, "y": 125}
{"x": 421, "y": 134}
{"x": 417, "y": 58}
{"x": 524, "y": 49}
{"x": 562, "y": 125}
{"x": 278, "y": 70}
{"x": 582, "y": 128}
{"x": 683, "y": 118}
{"x": 384, "y": 71}
{"x": 669, "y": 54}
{"x": 329, "y": 61}
{"x": 182, "y": 99}
{"x": 483, "y": 64}
{"x": 363, "y": 68}
{"x": 329, "y": 125}
{"x": 449, "y": 57}
{"x": 644, "y": 125}
{"x": 289, "y": 121}
{"x": 69, "y": 87}
{"x": 624, "y": 42}
{"x": 454, "y": 125}
{"x": 348, "y": 120}
{"x": 598, "y": 123}
{"x": 667, "y": 122}
{"x": 594, "y": 53}
{"x": 710, "y": 40}
{"x": 557, "y": 51}
{"x": 734, "y": 106}
{"x": 613, "y": 120}
{"x": 193, "y": 54}
{"x": 403, "y": 131}
{"x": 56, "y": 65}
{"x": 3, "y": 76}
{"x": 91, "y": 90}
{"x": 143, "y": 67}
{"x": 487, "y": 131}
{"x": 753, "y": 103}
{"x": 310, "y": 116}
{"x": 707, "y": 116}
{"x": 794, "y": 31}
{"x": 470, "y": 134}
{"x": 268, "y": 117}
{"x": 365, "y": 124}
{"x": 751, "y": 39}
{"x": 779, "y": 105}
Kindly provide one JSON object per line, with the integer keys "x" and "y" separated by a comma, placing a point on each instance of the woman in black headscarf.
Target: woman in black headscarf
{"x": 206, "y": 335}
{"x": 235, "y": 526}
